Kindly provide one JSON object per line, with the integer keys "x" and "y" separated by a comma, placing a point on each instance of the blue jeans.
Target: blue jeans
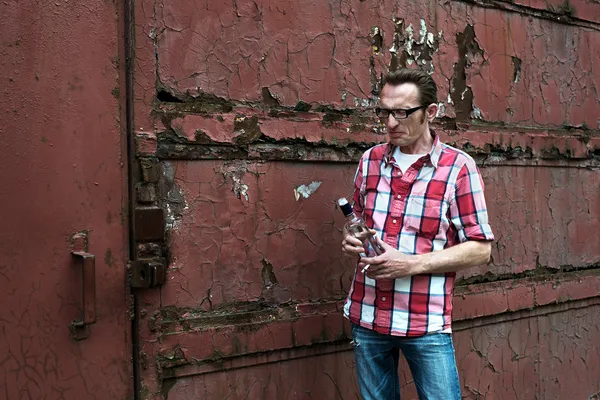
{"x": 430, "y": 358}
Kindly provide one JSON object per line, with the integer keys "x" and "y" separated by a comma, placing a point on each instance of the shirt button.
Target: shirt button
{"x": 399, "y": 172}
{"x": 398, "y": 197}
{"x": 394, "y": 221}
{"x": 383, "y": 298}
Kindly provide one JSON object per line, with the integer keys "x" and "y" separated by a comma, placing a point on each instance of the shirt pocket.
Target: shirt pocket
{"x": 426, "y": 217}
{"x": 376, "y": 193}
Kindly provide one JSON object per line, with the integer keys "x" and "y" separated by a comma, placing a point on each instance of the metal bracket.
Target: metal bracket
{"x": 149, "y": 224}
{"x": 147, "y": 272}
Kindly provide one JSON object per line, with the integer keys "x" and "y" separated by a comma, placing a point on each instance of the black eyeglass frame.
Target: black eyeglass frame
{"x": 406, "y": 112}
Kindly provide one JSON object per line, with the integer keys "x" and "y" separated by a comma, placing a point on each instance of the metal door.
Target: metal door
{"x": 64, "y": 325}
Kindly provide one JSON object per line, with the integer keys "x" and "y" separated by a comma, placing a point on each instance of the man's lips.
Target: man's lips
{"x": 396, "y": 134}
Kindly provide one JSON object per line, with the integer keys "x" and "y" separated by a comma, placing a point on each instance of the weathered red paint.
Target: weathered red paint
{"x": 319, "y": 52}
{"x": 241, "y": 103}
{"x": 62, "y": 174}
{"x": 249, "y": 119}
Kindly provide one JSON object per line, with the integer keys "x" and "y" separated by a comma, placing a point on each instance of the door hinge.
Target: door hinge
{"x": 147, "y": 272}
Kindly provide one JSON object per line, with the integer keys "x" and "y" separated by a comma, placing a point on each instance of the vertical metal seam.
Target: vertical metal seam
{"x": 129, "y": 131}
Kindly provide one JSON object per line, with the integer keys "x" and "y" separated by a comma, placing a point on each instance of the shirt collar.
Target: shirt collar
{"x": 434, "y": 154}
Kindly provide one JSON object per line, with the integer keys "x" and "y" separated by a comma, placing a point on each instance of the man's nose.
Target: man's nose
{"x": 391, "y": 121}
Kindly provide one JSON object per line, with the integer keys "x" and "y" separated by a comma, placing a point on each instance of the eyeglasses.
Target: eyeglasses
{"x": 397, "y": 114}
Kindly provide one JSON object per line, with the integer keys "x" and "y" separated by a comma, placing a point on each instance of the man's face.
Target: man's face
{"x": 405, "y": 132}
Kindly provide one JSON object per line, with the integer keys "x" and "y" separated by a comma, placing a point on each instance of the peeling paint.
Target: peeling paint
{"x": 423, "y": 31}
{"x": 469, "y": 55}
{"x": 270, "y": 99}
{"x": 171, "y": 196}
{"x": 406, "y": 49}
{"x": 376, "y": 40}
{"x": 234, "y": 172}
{"x": 363, "y": 103}
{"x": 306, "y": 191}
{"x": 268, "y": 275}
{"x": 240, "y": 189}
{"x": 476, "y": 113}
{"x": 517, "y": 69}
{"x": 441, "y": 112}
{"x": 398, "y": 58}
{"x": 246, "y": 129}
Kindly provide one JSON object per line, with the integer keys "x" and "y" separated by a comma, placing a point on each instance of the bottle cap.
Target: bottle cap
{"x": 346, "y": 208}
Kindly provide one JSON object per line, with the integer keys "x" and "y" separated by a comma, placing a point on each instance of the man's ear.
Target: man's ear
{"x": 432, "y": 111}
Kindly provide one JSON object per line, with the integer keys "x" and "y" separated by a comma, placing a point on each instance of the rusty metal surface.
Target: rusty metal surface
{"x": 191, "y": 338}
{"x": 318, "y": 377}
{"x": 240, "y": 51}
{"x": 489, "y": 357}
{"x": 255, "y": 231}
{"x": 60, "y": 148}
{"x": 550, "y": 354}
{"x": 572, "y": 11}
{"x": 245, "y": 233}
{"x": 250, "y": 118}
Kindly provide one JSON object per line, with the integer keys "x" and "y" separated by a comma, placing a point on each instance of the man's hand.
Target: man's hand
{"x": 392, "y": 264}
{"x": 351, "y": 246}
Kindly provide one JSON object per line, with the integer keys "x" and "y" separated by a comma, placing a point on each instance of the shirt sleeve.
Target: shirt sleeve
{"x": 468, "y": 210}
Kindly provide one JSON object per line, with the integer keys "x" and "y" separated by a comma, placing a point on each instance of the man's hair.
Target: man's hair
{"x": 423, "y": 81}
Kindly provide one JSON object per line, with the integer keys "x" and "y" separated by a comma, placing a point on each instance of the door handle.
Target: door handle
{"x": 80, "y": 327}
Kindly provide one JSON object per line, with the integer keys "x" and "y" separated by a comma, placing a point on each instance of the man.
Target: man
{"x": 424, "y": 200}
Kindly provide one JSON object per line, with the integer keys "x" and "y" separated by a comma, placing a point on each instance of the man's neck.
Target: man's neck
{"x": 420, "y": 146}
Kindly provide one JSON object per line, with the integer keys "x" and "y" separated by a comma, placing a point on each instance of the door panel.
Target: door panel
{"x": 62, "y": 175}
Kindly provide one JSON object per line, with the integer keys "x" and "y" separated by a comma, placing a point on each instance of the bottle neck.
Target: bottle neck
{"x": 351, "y": 217}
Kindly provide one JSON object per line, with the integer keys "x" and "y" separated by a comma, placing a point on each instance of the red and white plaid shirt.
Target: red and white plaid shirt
{"x": 437, "y": 203}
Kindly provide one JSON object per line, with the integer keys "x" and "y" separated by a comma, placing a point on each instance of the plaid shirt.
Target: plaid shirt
{"x": 437, "y": 203}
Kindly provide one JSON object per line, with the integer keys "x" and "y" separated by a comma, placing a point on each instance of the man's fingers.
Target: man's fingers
{"x": 377, "y": 272}
{"x": 374, "y": 273}
{"x": 351, "y": 250}
{"x": 352, "y": 240}
{"x": 372, "y": 260}
{"x": 352, "y": 245}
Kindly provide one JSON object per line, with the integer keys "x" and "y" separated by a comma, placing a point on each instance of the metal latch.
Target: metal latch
{"x": 147, "y": 272}
{"x": 80, "y": 328}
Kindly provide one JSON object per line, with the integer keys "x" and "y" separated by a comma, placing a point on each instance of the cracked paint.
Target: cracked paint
{"x": 326, "y": 54}
{"x": 227, "y": 240}
{"x": 248, "y": 99}
{"x": 315, "y": 380}
{"x": 493, "y": 353}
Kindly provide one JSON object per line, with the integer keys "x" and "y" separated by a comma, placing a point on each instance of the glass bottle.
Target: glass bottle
{"x": 356, "y": 226}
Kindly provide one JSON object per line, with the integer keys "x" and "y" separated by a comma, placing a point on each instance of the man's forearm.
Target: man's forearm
{"x": 462, "y": 256}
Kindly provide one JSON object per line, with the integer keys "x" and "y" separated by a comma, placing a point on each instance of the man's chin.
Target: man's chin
{"x": 399, "y": 142}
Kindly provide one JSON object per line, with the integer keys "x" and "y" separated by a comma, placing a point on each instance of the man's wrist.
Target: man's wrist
{"x": 422, "y": 264}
